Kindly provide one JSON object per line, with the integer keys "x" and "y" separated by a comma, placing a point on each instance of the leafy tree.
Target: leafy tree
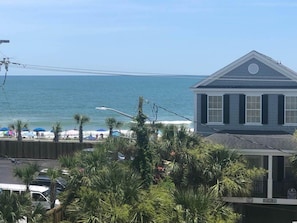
{"x": 56, "y": 130}
{"x": 196, "y": 176}
{"x": 202, "y": 205}
{"x": 69, "y": 161}
{"x": 38, "y": 215}
{"x": 18, "y": 126}
{"x": 112, "y": 123}
{"x": 81, "y": 120}
{"x": 14, "y": 206}
{"x": 26, "y": 173}
{"x": 157, "y": 204}
{"x": 102, "y": 190}
{"x": 226, "y": 171}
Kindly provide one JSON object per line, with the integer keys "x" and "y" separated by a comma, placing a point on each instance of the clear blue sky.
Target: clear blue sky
{"x": 195, "y": 37}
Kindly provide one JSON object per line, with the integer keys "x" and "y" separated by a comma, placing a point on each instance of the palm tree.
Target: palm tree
{"x": 228, "y": 172}
{"x": 18, "y": 126}
{"x": 56, "y": 130}
{"x": 81, "y": 120}
{"x": 14, "y": 206}
{"x": 202, "y": 205}
{"x": 105, "y": 189}
{"x": 53, "y": 175}
{"x": 27, "y": 173}
{"x": 38, "y": 214}
{"x": 112, "y": 123}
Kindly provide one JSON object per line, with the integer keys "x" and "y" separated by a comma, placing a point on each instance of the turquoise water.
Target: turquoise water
{"x": 42, "y": 101}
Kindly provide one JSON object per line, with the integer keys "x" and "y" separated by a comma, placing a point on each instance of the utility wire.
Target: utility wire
{"x": 155, "y": 107}
{"x": 129, "y": 73}
{"x": 88, "y": 71}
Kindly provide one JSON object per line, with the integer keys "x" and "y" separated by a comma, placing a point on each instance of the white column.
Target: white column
{"x": 269, "y": 180}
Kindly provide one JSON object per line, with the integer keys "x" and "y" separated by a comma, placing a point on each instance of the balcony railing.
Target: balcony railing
{"x": 281, "y": 189}
{"x": 259, "y": 189}
{"x": 284, "y": 189}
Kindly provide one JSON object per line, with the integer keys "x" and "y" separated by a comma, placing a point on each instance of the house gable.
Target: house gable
{"x": 254, "y": 93}
{"x": 254, "y": 70}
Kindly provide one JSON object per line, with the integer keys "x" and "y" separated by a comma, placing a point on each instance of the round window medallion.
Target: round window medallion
{"x": 253, "y": 68}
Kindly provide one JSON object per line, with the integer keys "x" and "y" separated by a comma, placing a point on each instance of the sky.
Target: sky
{"x": 184, "y": 37}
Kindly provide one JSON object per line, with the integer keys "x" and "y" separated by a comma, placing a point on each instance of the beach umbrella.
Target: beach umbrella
{"x": 4, "y": 129}
{"x": 90, "y": 137}
{"x": 116, "y": 133}
{"x": 101, "y": 130}
{"x": 39, "y": 129}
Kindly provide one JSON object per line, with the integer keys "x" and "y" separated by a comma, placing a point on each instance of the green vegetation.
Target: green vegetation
{"x": 56, "y": 129}
{"x": 189, "y": 179}
{"x": 112, "y": 123}
{"x": 81, "y": 120}
{"x": 178, "y": 177}
{"x": 15, "y": 207}
{"x": 175, "y": 178}
{"x": 18, "y": 126}
{"x": 27, "y": 173}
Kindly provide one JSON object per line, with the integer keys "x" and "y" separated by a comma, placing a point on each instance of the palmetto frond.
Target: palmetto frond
{"x": 27, "y": 173}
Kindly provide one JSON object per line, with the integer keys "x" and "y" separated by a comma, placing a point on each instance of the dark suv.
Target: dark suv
{"x": 44, "y": 180}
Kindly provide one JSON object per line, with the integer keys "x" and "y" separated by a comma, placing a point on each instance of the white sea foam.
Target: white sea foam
{"x": 175, "y": 122}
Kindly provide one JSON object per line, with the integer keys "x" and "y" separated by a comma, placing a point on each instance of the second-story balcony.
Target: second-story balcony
{"x": 281, "y": 189}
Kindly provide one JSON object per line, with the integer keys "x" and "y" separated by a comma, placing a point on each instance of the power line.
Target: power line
{"x": 135, "y": 73}
{"x": 155, "y": 107}
{"x": 90, "y": 71}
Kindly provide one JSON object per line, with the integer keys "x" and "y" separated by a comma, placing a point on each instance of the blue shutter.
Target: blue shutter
{"x": 203, "y": 108}
{"x": 264, "y": 109}
{"x": 281, "y": 109}
{"x": 241, "y": 109}
{"x": 226, "y": 109}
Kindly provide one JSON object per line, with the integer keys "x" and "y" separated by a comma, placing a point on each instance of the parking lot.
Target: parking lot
{"x": 8, "y": 164}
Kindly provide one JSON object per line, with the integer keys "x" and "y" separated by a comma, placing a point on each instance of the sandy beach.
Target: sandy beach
{"x": 70, "y": 135}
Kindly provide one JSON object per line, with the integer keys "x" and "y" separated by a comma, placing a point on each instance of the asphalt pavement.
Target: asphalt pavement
{"x": 7, "y": 165}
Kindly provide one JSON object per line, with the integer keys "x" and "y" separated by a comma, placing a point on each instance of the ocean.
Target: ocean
{"x": 41, "y": 101}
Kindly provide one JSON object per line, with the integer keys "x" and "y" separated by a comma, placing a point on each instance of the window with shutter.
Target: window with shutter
{"x": 215, "y": 109}
{"x": 253, "y": 109}
{"x": 291, "y": 109}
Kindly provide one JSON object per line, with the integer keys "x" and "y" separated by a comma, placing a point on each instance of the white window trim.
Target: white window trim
{"x": 285, "y": 110}
{"x": 222, "y": 117}
{"x": 253, "y": 123}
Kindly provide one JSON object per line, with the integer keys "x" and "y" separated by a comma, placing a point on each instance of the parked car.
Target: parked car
{"x": 39, "y": 194}
{"x": 44, "y": 180}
